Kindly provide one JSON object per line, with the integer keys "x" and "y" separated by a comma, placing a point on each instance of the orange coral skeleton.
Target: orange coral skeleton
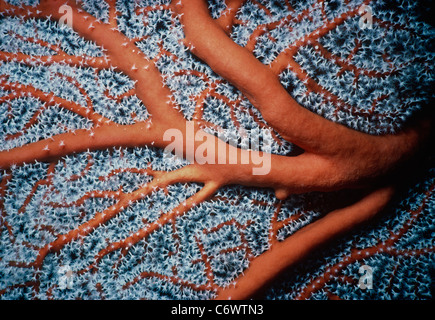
{"x": 334, "y": 156}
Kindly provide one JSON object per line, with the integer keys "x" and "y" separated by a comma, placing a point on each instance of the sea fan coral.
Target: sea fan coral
{"x": 93, "y": 205}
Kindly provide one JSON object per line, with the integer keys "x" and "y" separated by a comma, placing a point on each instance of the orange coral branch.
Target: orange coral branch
{"x": 3, "y": 188}
{"x": 335, "y": 156}
{"x": 356, "y": 255}
{"x": 41, "y": 182}
{"x": 284, "y": 254}
{"x": 20, "y": 90}
{"x": 60, "y": 56}
{"x": 225, "y": 21}
{"x": 93, "y": 62}
{"x": 113, "y": 13}
{"x": 168, "y": 178}
{"x": 332, "y": 142}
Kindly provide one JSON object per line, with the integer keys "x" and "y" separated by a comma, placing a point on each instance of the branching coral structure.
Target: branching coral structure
{"x": 100, "y": 198}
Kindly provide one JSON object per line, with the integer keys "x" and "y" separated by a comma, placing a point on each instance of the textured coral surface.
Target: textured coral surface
{"x": 93, "y": 208}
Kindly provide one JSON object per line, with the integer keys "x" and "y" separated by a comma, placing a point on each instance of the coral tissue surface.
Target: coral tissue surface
{"x": 92, "y": 206}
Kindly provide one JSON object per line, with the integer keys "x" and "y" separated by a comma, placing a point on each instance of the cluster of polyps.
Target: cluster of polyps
{"x": 129, "y": 231}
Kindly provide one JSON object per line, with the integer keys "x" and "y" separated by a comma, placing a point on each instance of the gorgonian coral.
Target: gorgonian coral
{"x": 92, "y": 206}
